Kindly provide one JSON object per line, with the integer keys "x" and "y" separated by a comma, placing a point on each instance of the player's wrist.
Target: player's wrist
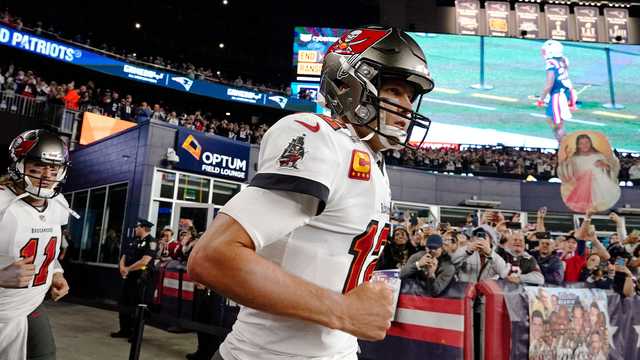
{"x": 338, "y": 318}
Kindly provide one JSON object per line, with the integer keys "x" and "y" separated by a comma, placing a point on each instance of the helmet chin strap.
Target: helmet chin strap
{"x": 384, "y": 131}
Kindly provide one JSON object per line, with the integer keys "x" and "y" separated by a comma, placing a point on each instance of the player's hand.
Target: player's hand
{"x": 19, "y": 274}
{"x": 539, "y": 103}
{"x": 59, "y": 287}
{"x": 369, "y": 309}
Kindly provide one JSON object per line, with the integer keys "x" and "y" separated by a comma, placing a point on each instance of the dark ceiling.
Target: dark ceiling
{"x": 258, "y": 35}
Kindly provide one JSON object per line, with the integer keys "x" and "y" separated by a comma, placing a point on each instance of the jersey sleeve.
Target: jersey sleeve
{"x": 298, "y": 154}
{"x": 551, "y": 65}
{"x": 64, "y": 209}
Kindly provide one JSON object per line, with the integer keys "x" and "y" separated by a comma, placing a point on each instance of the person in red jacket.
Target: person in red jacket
{"x": 72, "y": 97}
{"x": 575, "y": 257}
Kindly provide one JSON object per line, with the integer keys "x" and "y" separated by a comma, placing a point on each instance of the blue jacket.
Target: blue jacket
{"x": 551, "y": 267}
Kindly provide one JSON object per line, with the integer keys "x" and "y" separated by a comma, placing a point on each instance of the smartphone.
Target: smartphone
{"x": 543, "y": 235}
{"x": 413, "y": 219}
{"x": 514, "y": 225}
{"x": 620, "y": 261}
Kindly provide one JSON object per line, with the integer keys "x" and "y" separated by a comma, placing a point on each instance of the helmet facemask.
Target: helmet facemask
{"x": 373, "y": 110}
{"x": 25, "y": 181}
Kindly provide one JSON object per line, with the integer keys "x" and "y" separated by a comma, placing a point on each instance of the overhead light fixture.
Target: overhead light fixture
{"x": 221, "y": 45}
{"x": 227, "y": 114}
{"x": 225, "y": 2}
{"x": 137, "y": 25}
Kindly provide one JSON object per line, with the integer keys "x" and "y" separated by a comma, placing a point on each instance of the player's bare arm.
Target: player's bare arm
{"x": 551, "y": 78}
{"x": 224, "y": 259}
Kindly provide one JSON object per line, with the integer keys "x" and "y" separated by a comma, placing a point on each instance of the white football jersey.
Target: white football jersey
{"x": 337, "y": 249}
{"x": 27, "y": 231}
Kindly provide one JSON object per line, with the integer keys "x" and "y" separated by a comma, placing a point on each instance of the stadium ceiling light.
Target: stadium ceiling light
{"x": 137, "y": 25}
{"x": 227, "y": 114}
{"x": 225, "y": 2}
{"x": 221, "y": 45}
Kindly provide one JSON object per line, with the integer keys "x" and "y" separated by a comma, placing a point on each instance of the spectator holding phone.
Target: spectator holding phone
{"x": 397, "y": 251}
{"x": 478, "y": 260}
{"x": 624, "y": 283}
{"x": 432, "y": 266}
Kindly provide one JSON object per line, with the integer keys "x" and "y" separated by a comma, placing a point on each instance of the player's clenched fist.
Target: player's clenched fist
{"x": 369, "y": 309}
{"x": 19, "y": 274}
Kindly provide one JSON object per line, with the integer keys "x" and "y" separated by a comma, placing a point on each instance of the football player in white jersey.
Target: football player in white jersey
{"x": 32, "y": 213}
{"x": 297, "y": 247}
{"x": 558, "y": 88}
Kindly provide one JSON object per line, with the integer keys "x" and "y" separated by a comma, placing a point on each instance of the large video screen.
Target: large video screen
{"x": 514, "y": 70}
{"x": 309, "y": 46}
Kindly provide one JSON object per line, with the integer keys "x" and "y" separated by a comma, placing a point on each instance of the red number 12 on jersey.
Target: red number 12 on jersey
{"x": 360, "y": 248}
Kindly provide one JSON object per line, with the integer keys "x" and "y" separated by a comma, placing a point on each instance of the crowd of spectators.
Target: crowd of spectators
{"x": 498, "y": 161}
{"x": 492, "y": 247}
{"x": 188, "y": 69}
{"x": 110, "y": 102}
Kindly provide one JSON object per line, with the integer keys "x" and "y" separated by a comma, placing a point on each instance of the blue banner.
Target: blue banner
{"x": 71, "y": 54}
{"x": 212, "y": 155}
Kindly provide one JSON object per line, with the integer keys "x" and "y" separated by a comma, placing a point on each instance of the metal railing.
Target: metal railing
{"x": 21, "y": 105}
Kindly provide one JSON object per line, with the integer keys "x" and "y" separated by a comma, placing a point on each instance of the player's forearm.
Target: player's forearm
{"x": 262, "y": 285}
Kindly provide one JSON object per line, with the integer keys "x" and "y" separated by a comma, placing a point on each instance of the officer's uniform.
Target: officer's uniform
{"x": 138, "y": 285}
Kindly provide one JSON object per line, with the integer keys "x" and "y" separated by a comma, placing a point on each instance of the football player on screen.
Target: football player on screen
{"x": 32, "y": 213}
{"x": 562, "y": 98}
{"x": 297, "y": 247}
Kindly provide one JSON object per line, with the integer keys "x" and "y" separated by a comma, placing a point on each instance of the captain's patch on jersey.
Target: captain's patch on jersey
{"x": 360, "y": 165}
{"x": 293, "y": 153}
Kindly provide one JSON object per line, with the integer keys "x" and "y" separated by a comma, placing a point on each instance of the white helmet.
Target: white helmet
{"x": 551, "y": 49}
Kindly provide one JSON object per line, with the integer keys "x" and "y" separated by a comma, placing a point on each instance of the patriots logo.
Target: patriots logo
{"x": 281, "y": 100}
{"x": 185, "y": 82}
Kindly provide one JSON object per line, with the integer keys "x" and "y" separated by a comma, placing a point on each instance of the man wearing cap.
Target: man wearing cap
{"x": 136, "y": 268}
{"x": 433, "y": 266}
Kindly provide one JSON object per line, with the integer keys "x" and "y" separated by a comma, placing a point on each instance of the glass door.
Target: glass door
{"x": 200, "y": 215}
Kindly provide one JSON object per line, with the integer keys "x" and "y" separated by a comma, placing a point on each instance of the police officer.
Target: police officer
{"x": 136, "y": 268}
